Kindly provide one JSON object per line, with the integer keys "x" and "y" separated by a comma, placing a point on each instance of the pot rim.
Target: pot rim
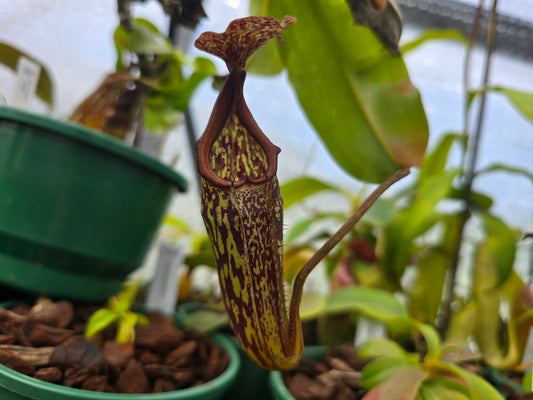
{"x": 277, "y": 384}
{"x": 96, "y": 139}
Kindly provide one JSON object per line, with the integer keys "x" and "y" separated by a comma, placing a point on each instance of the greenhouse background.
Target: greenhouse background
{"x": 74, "y": 40}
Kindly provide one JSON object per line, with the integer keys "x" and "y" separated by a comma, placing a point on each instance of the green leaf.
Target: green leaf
{"x": 501, "y": 242}
{"x": 203, "y": 257}
{"x": 506, "y": 168}
{"x": 527, "y": 384}
{"x": 294, "y": 258}
{"x": 312, "y": 305}
{"x": 434, "y": 34}
{"x": 480, "y": 201}
{"x": 142, "y": 319}
{"x": 432, "y": 338}
{"x": 297, "y": 229}
{"x": 204, "y": 66}
{"x": 435, "y": 161}
{"x": 430, "y": 334}
{"x": 206, "y": 321}
{"x": 143, "y": 38}
{"x": 433, "y": 264}
{"x": 441, "y": 388}
{"x": 355, "y": 93}
{"x": 159, "y": 117}
{"x": 522, "y": 101}
{"x": 9, "y": 56}
{"x": 381, "y": 369}
{"x": 179, "y": 94}
{"x": 126, "y": 327}
{"x": 298, "y": 189}
{"x": 168, "y": 70}
{"x": 426, "y": 294}
{"x": 414, "y": 221}
{"x": 462, "y": 323}
{"x": 183, "y": 88}
{"x": 492, "y": 266}
{"x": 373, "y": 303}
{"x": 171, "y": 94}
{"x": 177, "y": 222}
{"x": 380, "y": 214}
{"x": 267, "y": 60}
{"x": 126, "y": 296}
{"x": 403, "y": 385}
{"x": 99, "y": 320}
{"x": 478, "y": 388}
{"x": 381, "y": 347}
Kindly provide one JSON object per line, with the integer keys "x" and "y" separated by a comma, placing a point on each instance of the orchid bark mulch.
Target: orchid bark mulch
{"x": 334, "y": 377}
{"x": 46, "y": 341}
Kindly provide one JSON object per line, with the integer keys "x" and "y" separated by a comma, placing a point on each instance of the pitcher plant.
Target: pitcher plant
{"x": 242, "y": 207}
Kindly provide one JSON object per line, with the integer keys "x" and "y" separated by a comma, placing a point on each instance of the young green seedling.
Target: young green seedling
{"x": 118, "y": 312}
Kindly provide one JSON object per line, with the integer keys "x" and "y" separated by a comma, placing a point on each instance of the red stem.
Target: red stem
{"x": 297, "y": 291}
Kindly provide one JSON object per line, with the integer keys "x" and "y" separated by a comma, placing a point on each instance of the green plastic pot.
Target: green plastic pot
{"x": 277, "y": 386}
{"x": 78, "y": 209}
{"x": 252, "y": 380}
{"x": 16, "y": 386}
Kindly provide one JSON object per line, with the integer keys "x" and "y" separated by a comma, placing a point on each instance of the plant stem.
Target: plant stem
{"x": 466, "y": 74}
{"x": 470, "y": 163}
{"x": 173, "y": 34}
{"x": 299, "y": 281}
{"x": 124, "y": 13}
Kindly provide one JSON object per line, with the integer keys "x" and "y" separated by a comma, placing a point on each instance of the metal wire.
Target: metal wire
{"x": 514, "y": 35}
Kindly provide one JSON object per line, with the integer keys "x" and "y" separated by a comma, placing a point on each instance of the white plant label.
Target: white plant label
{"x": 28, "y": 73}
{"x": 368, "y": 328}
{"x": 163, "y": 290}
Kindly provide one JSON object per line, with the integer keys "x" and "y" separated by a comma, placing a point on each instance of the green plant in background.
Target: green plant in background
{"x": 425, "y": 251}
{"x": 418, "y": 238}
{"x": 199, "y": 304}
{"x": 357, "y": 95}
{"x": 430, "y": 373}
{"x": 118, "y": 313}
{"x": 151, "y": 87}
{"x": 10, "y": 56}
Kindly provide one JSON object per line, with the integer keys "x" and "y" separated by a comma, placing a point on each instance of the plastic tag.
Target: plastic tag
{"x": 367, "y": 328}
{"x": 163, "y": 290}
{"x": 28, "y": 73}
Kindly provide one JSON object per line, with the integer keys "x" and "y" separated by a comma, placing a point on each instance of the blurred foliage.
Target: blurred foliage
{"x": 9, "y": 56}
{"x": 358, "y": 97}
{"x": 162, "y": 70}
{"x": 118, "y": 313}
{"x": 154, "y": 82}
{"x": 412, "y": 238}
{"x": 397, "y": 374}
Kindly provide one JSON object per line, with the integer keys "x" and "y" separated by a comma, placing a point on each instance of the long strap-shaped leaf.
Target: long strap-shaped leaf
{"x": 242, "y": 207}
